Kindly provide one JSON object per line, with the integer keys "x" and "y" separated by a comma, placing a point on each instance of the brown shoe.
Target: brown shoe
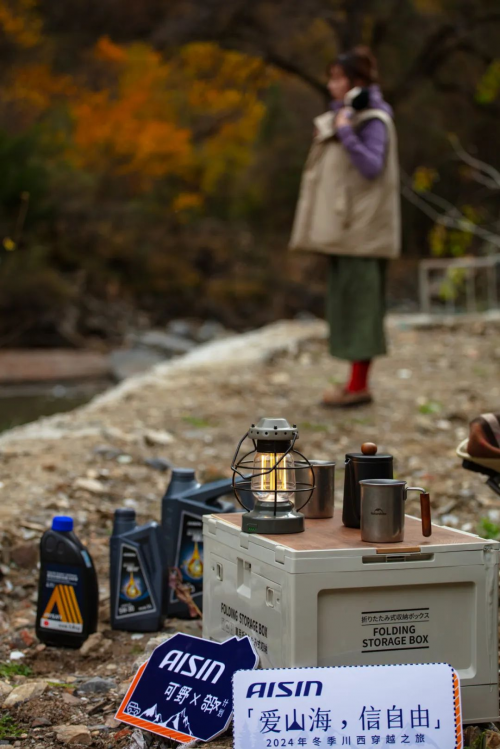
{"x": 342, "y": 398}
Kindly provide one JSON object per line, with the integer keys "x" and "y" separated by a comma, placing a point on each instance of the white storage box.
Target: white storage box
{"x": 325, "y": 598}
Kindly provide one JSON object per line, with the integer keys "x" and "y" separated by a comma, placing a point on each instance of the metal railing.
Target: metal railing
{"x": 467, "y": 298}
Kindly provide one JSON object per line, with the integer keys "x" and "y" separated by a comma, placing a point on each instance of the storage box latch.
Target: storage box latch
{"x": 212, "y": 525}
{"x": 279, "y": 554}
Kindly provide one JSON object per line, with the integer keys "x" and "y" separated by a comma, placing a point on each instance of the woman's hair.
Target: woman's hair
{"x": 359, "y": 64}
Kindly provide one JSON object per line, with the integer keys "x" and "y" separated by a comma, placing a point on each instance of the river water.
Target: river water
{"x": 21, "y": 404}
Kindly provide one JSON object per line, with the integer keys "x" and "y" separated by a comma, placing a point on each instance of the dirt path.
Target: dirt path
{"x": 191, "y": 412}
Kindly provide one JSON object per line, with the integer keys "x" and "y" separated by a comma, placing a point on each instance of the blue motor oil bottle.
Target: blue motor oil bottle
{"x": 183, "y": 506}
{"x": 138, "y": 574}
{"x": 68, "y": 596}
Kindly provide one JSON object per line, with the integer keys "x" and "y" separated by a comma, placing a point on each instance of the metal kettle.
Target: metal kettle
{"x": 367, "y": 464}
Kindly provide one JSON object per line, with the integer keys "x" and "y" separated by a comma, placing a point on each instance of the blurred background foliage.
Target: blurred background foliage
{"x": 150, "y": 155}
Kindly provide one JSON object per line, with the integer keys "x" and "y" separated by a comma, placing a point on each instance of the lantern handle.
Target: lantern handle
{"x": 234, "y": 468}
{"x": 238, "y": 449}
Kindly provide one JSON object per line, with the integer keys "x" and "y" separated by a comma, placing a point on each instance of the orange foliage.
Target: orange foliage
{"x": 191, "y": 119}
{"x": 122, "y": 136}
{"x": 108, "y": 51}
{"x": 19, "y": 22}
{"x": 35, "y": 88}
{"x": 194, "y": 117}
{"x": 131, "y": 129}
{"x": 222, "y": 99}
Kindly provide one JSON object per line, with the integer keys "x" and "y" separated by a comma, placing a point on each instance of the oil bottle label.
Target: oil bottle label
{"x": 189, "y": 557}
{"x": 134, "y": 590}
{"x": 62, "y": 598}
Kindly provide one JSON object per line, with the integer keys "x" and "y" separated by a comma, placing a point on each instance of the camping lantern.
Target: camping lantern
{"x": 268, "y": 472}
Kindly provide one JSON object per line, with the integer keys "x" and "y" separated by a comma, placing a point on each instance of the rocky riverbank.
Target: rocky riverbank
{"x": 116, "y": 451}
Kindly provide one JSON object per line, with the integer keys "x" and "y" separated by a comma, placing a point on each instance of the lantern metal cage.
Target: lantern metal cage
{"x": 268, "y": 473}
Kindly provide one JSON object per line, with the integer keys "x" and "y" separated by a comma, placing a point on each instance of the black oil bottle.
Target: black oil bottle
{"x": 68, "y": 596}
{"x": 138, "y": 574}
{"x": 183, "y": 506}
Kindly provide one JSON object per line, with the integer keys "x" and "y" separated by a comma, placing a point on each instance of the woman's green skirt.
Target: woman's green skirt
{"x": 355, "y": 307}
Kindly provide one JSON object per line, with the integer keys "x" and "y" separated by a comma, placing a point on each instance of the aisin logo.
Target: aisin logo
{"x": 378, "y": 511}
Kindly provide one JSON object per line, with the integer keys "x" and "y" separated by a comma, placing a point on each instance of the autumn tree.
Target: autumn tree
{"x": 153, "y": 156}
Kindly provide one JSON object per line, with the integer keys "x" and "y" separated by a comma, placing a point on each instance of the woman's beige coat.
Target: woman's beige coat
{"x": 339, "y": 211}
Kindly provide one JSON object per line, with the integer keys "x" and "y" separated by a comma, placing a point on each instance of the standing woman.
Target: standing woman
{"x": 349, "y": 209}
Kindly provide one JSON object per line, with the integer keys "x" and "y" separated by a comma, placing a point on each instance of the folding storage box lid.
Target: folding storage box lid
{"x": 328, "y": 538}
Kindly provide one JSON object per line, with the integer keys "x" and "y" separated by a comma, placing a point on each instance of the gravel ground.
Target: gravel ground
{"x": 191, "y": 413}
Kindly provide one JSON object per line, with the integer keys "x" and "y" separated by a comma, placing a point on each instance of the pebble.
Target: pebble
{"x": 22, "y": 621}
{"x": 404, "y": 374}
{"x": 93, "y": 486}
{"x": 443, "y": 424}
{"x": 91, "y": 644}
{"x": 151, "y": 645}
{"x": 124, "y": 459}
{"x": 16, "y": 655}
{"x": 153, "y": 642}
{"x": 451, "y": 520}
{"x": 26, "y": 638}
{"x": 73, "y": 735}
{"x": 182, "y": 328}
{"x": 209, "y": 330}
{"x": 152, "y": 437}
{"x": 25, "y": 692}
{"x": 167, "y": 343}
{"x": 40, "y": 722}
{"x": 111, "y": 722}
{"x": 25, "y": 555}
{"x": 138, "y": 740}
{"x": 280, "y": 378}
{"x": 70, "y": 699}
{"x": 107, "y": 451}
{"x": 5, "y": 690}
{"x": 158, "y": 464}
{"x": 96, "y": 685}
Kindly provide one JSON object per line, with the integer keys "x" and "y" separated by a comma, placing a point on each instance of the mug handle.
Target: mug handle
{"x": 425, "y": 510}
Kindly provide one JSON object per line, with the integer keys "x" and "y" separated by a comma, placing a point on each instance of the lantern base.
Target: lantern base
{"x": 264, "y": 520}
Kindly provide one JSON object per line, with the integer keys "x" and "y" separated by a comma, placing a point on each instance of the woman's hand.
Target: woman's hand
{"x": 343, "y": 117}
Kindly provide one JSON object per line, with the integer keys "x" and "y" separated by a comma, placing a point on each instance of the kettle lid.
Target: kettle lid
{"x": 368, "y": 453}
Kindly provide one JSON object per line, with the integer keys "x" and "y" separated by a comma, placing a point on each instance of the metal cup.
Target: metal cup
{"x": 321, "y": 503}
{"x": 383, "y": 510}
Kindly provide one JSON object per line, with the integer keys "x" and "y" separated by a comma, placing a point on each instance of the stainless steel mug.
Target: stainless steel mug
{"x": 383, "y": 510}
{"x": 321, "y": 503}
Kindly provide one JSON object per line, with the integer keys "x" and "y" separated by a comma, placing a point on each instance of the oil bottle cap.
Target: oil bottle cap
{"x": 183, "y": 474}
{"x": 62, "y": 523}
{"x": 125, "y": 513}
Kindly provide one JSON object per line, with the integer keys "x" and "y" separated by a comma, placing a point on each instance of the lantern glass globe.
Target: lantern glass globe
{"x": 273, "y": 477}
